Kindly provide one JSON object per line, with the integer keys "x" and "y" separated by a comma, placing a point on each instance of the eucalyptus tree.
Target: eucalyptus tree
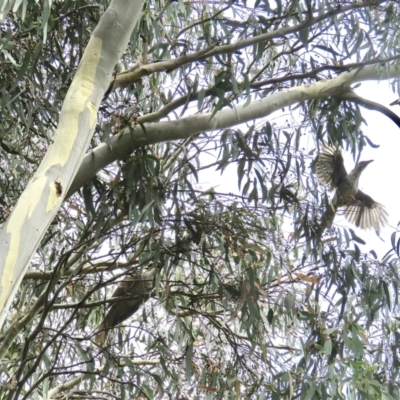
{"x": 124, "y": 274}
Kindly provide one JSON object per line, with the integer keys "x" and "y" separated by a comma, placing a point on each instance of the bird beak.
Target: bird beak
{"x": 369, "y": 161}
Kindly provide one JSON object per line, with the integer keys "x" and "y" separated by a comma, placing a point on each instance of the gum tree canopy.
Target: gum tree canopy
{"x": 126, "y": 271}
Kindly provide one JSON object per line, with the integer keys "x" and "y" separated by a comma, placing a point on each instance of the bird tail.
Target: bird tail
{"x": 101, "y": 335}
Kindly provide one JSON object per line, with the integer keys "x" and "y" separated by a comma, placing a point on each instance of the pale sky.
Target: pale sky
{"x": 380, "y": 178}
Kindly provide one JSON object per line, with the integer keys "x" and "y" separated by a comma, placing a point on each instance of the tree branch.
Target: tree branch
{"x": 128, "y": 77}
{"x": 131, "y": 138}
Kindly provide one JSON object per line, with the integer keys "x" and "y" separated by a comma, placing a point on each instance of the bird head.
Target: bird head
{"x": 362, "y": 165}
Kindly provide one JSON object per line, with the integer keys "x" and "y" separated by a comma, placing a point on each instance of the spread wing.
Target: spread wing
{"x": 364, "y": 212}
{"x": 329, "y": 167}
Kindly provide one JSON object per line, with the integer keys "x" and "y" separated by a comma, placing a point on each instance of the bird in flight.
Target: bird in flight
{"x": 359, "y": 208}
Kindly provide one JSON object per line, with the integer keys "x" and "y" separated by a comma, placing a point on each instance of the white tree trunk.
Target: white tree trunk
{"x": 41, "y": 200}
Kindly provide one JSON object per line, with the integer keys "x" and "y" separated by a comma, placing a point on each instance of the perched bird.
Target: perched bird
{"x": 359, "y": 208}
{"x": 134, "y": 291}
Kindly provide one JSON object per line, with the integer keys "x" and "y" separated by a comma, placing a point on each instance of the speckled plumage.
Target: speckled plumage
{"x": 134, "y": 290}
{"x": 359, "y": 208}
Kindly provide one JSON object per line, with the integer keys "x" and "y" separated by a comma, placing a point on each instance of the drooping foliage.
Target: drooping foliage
{"x": 249, "y": 299}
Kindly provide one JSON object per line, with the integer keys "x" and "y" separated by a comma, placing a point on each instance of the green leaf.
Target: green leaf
{"x": 356, "y": 238}
{"x": 303, "y": 36}
{"x": 289, "y": 302}
{"x": 189, "y": 359}
{"x": 328, "y": 347}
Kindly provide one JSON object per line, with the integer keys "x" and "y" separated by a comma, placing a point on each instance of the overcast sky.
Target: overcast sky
{"x": 380, "y": 178}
